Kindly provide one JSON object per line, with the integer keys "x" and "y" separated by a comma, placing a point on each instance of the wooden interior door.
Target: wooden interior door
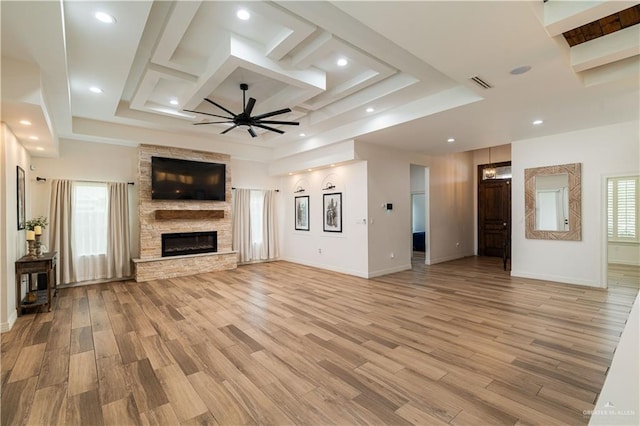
{"x": 494, "y": 216}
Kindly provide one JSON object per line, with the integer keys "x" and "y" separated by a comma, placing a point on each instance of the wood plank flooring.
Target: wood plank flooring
{"x": 279, "y": 343}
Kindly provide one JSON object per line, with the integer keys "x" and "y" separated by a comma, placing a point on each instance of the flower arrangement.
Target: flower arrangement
{"x": 40, "y": 221}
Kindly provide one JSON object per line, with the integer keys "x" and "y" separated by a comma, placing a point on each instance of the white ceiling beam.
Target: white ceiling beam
{"x": 604, "y": 50}
{"x": 561, "y": 16}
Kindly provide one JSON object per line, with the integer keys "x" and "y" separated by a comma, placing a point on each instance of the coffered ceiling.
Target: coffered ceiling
{"x": 406, "y": 82}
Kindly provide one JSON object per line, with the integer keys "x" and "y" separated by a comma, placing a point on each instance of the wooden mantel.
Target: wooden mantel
{"x": 189, "y": 214}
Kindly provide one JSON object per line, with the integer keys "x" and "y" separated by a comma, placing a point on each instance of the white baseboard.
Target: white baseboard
{"x": 6, "y": 326}
{"x": 556, "y": 278}
{"x": 327, "y": 267}
{"x": 388, "y": 271}
{"x": 446, "y": 258}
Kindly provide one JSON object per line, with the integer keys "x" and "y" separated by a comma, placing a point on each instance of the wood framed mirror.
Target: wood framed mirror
{"x": 553, "y": 202}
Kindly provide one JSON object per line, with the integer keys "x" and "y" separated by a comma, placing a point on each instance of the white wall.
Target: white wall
{"x": 252, "y": 175}
{"x": 451, "y": 207}
{"x": 619, "y": 399}
{"x": 81, "y": 160}
{"x": 603, "y": 151}
{"x": 390, "y": 234}
{"x": 12, "y": 241}
{"x": 342, "y": 252}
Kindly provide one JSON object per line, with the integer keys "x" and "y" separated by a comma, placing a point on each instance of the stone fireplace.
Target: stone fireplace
{"x": 174, "y": 219}
{"x": 182, "y": 243}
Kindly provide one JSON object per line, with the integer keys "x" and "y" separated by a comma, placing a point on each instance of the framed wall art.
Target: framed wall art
{"x": 302, "y": 213}
{"x": 332, "y": 212}
{"x": 21, "y": 194}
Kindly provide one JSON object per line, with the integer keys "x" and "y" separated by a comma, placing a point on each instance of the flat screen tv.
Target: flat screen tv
{"x": 173, "y": 179}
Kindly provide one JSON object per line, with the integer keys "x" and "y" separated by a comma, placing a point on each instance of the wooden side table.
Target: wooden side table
{"x": 36, "y": 265}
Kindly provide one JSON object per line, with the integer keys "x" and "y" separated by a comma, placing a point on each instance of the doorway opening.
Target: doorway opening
{"x": 419, "y": 214}
{"x": 622, "y": 236}
{"x": 494, "y": 210}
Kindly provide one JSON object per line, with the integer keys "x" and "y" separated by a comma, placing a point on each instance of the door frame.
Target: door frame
{"x": 604, "y": 216}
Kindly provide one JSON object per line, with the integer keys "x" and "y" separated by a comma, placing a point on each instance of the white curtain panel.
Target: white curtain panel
{"x": 270, "y": 227}
{"x": 60, "y": 228}
{"x": 118, "y": 238}
{"x": 241, "y": 241}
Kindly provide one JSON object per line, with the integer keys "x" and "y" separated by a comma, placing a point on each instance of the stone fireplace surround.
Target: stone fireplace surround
{"x": 158, "y": 217}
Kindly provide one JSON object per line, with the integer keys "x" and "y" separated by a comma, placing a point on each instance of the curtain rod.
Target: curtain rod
{"x": 253, "y": 189}
{"x": 41, "y": 179}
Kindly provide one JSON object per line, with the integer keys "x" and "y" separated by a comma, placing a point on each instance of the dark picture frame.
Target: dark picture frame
{"x": 301, "y": 213}
{"x": 21, "y": 188}
{"x": 332, "y": 212}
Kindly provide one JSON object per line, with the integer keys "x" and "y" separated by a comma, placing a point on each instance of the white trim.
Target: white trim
{"x": 382, "y": 272}
{"x": 6, "y": 326}
{"x": 326, "y": 267}
{"x": 557, "y": 278}
{"x": 447, "y": 258}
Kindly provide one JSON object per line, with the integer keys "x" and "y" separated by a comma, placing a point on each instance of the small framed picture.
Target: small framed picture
{"x": 332, "y": 210}
{"x": 302, "y": 213}
{"x": 21, "y": 198}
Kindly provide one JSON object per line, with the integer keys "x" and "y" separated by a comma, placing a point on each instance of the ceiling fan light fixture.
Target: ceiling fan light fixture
{"x": 245, "y": 119}
{"x": 243, "y": 14}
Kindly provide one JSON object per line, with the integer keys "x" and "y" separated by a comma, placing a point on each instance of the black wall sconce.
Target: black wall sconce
{"x": 329, "y": 186}
{"x": 298, "y": 190}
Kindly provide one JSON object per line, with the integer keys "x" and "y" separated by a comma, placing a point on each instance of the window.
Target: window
{"x": 89, "y": 219}
{"x": 622, "y": 209}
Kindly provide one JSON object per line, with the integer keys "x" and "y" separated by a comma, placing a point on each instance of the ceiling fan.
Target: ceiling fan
{"x": 245, "y": 118}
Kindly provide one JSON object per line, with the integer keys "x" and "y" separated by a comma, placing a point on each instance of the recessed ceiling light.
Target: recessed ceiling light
{"x": 95, "y": 89}
{"x": 342, "y": 62}
{"x": 105, "y": 17}
{"x": 537, "y": 122}
{"x": 332, "y": 165}
{"x": 39, "y": 148}
{"x": 243, "y": 14}
{"x": 309, "y": 170}
{"x": 33, "y": 138}
{"x": 450, "y": 140}
{"x": 520, "y": 70}
{"x": 303, "y": 134}
{"x": 25, "y": 122}
{"x": 173, "y": 102}
{"x": 370, "y": 109}
{"x": 290, "y": 174}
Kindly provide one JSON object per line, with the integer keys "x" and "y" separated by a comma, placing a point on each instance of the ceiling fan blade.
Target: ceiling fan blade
{"x": 273, "y": 129}
{"x": 230, "y": 128}
{"x": 220, "y": 106}
{"x": 251, "y": 132}
{"x": 271, "y": 114}
{"x": 291, "y": 123}
{"x": 249, "y": 107}
{"x": 213, "y": 122}
{"x": 206, "y": 113}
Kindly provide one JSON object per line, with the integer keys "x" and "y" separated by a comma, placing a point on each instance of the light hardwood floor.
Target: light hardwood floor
{"x": 279, "y": 343}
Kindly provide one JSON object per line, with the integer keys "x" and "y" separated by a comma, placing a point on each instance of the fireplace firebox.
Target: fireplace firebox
{"x": 182, "y": 243}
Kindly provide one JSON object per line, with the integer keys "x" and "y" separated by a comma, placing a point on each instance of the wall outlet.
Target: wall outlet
{"x": 320, "y": 251}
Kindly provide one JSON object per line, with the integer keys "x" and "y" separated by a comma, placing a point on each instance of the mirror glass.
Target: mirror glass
{"x": 552, "y": 202}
